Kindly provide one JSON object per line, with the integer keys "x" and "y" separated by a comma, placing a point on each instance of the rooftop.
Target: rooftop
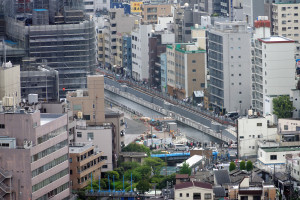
{"x": 46, "y": 117}
{"x": 280, "y": 149}
{"x": 80, "y": 147}
{"x": 193, "y": 184}
{"x": 276, "y": 39}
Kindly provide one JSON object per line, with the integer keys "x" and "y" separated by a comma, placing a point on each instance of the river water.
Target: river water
{"x": 187, "y": 130}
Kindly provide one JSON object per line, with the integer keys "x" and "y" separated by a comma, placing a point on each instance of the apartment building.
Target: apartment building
{"x": 10, "y": 82}
{"x": 186, "y": 70}
{"x": 151, "y": 12}
{"x": 228, "y": 65}
{"x": 273, "y": 66}
{"x": 116, "y": 22}
{"x": 101, "y": 46}
{"x": 163, "y": 72}
{"x": 286, "y": 19}
{"x": 251, "y": 10}
{"x": 84, "y": 160}
{"x": 118, "y": 67}
{"x": 251, "y": 130}
{"x": 34, "y": 154}
{"x": 140, "y": 51}
{"x": 127, "y": 52}
{"x": 93, "y": 124}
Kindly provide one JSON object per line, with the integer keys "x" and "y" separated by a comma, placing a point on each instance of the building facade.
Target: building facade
{"x": 193, "y": 190}
{"x": 151, "y": 12}
{"x": 228, "y": 65}
{"x": 273, "y": 67}
{"x": 34, "y": 152}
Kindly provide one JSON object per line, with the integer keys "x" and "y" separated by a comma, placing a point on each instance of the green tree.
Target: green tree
{"x": 249, "y": 165}
{"x": 242, "y": 165}
{"x": 136, "y": 176}
{"x": 133, "y": 147}
{"x": 111, "y": 174}
{"x": 283, "y": 107}
{"x": 143, "y": 186}
{"x": 130, "y": 165}
{"x": 163, "y": 183}
{"x": 155, "y": 163}
{"x": 144, "y": 170}
{"x": 185, "y": 169}
{"x": 232, "y": 166}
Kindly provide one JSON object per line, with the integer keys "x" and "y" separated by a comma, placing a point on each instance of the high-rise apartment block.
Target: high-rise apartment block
{"x": 34, "y": 155}
{"x": 229, "y": 67}
{"x": 286, "y": 20}
{"x": 273, "y": 66}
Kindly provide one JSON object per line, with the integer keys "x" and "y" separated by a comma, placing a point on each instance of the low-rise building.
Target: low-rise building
{"x": 151, "y": 12}
{"x": 245, "y": 190}
{"x": 193, "y": 190}
{"x": 289, "y": 132}
{"x": 251, "y": 130}
{"x": 84, "y": 160}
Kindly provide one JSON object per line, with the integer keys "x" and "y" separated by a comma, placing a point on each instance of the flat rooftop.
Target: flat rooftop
{"x": 276, "y": 39}
{"x": 79, "y": 147}
{"x": 280, "y": 149}
{"x": 46, "y": 118}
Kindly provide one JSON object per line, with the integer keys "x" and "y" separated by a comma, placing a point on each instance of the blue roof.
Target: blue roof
{"x": 40, "y": 9}
{"x": 10, "y": 42}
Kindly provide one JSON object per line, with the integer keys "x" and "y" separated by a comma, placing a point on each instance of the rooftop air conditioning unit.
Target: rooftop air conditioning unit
{"x": 79, "y": 115}
{"x": 8, "y": 101}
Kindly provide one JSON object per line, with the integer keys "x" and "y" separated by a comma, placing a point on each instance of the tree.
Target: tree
{"x": 242, "y": 165}
{"x": 136, "y": 176}
{"x": 185, "y": 169}
{"x": 133, "y": 147}
{"x": 144, "y": 170}
{"x": 130, "y": 165}
{"x": 232, "y": 166}
{"x": 283, "y": 107}
{"x": 111, "y": 174}
{"x": 155, "y": 163}
{"x": 249, "y": 165}
{"x": 143, "y": 186}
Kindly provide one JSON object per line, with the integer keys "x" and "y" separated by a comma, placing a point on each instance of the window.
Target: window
{"x": 194, "y": 70}
{"x": 240, "y": 101}
{"x": 194, "y": 79}
{"x": 232, "y": 74}
{"x": 2, "y": 126}
{"x": 187, "y": 195}
{"x": 295, "y": 21}
{"x": 240, "y": 92}
{"x": 295, "y": 14}
{"x": 240, "y": 74}
{"x": 241, "y": 137}
{"x": 86, "y": 117}
{"x": 286, "y": 127}
{"x": 79, "y": 134}
{"x": 273, "y": 157}
{"x": 207, "y": 196}
{"x": 240, "y": 83}
{"x": 259, "y": 124}
{"x": 202, "y": 85}
{"x": 197, "y": 195}
{"x": 90, "y": 136}
{"x": 104, "y": 166}
{"x": 193, "y": 61}
{"x": 180, "y": 194}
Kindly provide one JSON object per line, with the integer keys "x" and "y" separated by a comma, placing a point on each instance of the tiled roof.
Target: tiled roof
{"x": 193, "y": 184}
{"x": 182, "y": 176}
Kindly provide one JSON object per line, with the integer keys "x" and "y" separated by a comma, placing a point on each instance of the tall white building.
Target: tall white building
{"x": 273, "y": 66}
{"x": 228, "y": 64}
{"x": 91, "y": 6}
{"x": 140, "y": 51}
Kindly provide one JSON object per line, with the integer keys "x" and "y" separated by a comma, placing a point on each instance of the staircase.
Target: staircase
{"x": 4, "y": 189}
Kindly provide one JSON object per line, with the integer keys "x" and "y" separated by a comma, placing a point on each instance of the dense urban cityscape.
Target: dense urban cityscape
{"x": 150, "y": 99}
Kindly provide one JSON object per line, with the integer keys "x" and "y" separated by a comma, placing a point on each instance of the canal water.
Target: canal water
{"x": 188, "y": 131}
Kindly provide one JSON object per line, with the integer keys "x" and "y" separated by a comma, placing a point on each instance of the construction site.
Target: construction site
{"x": 55, "y": 32}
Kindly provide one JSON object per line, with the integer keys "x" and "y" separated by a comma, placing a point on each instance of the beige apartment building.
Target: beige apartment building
{"x": 286, "y": 19}
{"x": 186, "y": 69}
{"x": 10, "y": 82}
{"x": 84, "y": 160}
{"x": 101, "y": 46}
{"x": 94, "y": 124}
{"x": 151, "y": 12}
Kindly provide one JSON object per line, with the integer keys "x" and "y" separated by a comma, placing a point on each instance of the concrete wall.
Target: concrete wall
{"x": 190, "y": 191}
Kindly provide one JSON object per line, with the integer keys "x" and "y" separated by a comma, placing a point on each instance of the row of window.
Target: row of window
{"x": 54, "y": 192}
{"x": 49, "y": 180}
{"x": 197, "y": 195}
{"x": 49, "y": 165}
{"x": 48, "y": 151}
{"x": 52, "y": 134}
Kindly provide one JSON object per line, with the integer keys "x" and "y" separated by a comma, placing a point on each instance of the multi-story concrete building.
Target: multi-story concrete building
{"x": 34, "y": 153}
{"x": 140, "y": 51}
{"x": 193, "y": 190}
{"x": 151, "y": 12}
{"x": 127, "y": 52}
{"x": 135, "y": 7}
{"x": 93, "y": 125}
{"x": 251, "y": 10}
{"x": 289, "y": 132}
{"x": 101, "y": 47}
{"x": 41, "y": 80}
{"x": 273, "y": 67}
{"x": 186, "y": 69}
{"x": 163, "y": 72}
{"x": 295, "y": 98}
{"x": 228, "y": 65}
{"x": 10, "y": 82}
{"x": 84, "y": 160}
{"x": 251, "y": 130}
{"x": 285, "y": 18}
{"x": 116, "y": 22}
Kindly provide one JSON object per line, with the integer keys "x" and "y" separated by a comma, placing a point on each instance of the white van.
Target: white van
{"x": 180, "y": 147}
